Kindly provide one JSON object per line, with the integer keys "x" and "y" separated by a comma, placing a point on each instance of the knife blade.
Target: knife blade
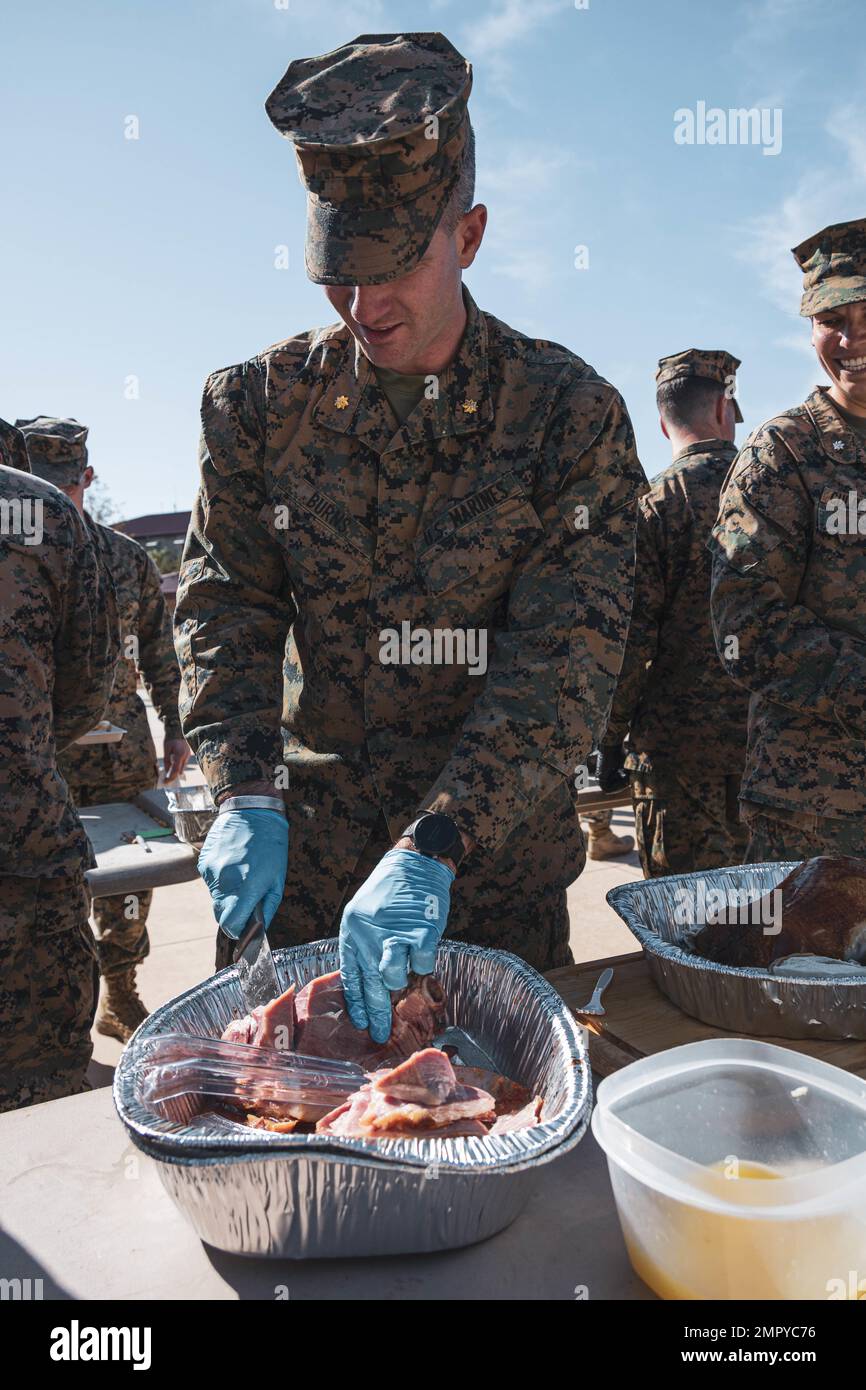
{"x": 470, "y": 1053}
{"x": 257, "y": 975}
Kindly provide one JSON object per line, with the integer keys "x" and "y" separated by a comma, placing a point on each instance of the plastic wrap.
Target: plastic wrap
{"x": 769, "y": 1003}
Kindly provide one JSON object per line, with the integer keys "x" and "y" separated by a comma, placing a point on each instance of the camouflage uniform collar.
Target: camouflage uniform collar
{"x": 707, "y": 446}
{"x": 353, "y": 403}
{"x": 838, "y": 440}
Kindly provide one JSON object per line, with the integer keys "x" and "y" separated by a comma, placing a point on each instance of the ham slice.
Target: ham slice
{"x": 508, "y": 1095}
{"x": 524, "y": 1118}
{"x": 376, "y": 1110}
{"x": 270, "y": 1025}
{"x": 324, "y": 1029}
{"x": 426, "y": 1078}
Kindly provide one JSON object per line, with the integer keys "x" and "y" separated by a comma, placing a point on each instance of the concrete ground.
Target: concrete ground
{"x": 182, "y": 931}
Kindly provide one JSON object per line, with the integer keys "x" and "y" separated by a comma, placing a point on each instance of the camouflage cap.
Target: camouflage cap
{"x": 379, "y": 128}
{"x": 834, "y": 266}
{"x": 57, "y": 449}
{"x": 708, "y": 363}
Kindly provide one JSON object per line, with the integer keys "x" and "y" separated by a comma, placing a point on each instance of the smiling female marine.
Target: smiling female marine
{"x": 789, "y": 581}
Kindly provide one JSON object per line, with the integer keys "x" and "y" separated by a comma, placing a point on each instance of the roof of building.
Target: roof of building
{"x": 156, "y": 524}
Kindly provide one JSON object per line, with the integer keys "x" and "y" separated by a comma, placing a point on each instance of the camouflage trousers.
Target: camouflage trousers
{"x": 684, "y": 824}
{"x": 777, "y": 833}
{"x": 506, "y": 909}
{"x": 48, "y": 988}
{"x": 120, "y": 921}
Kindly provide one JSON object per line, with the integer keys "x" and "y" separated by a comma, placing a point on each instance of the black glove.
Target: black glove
{"x": 611, "y": 775}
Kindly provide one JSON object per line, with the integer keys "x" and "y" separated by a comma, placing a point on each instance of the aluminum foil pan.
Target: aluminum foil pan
{"x": 193, "y": 813}
{"x": 738, "y": 1000}
{"x": 257, "y": 1192}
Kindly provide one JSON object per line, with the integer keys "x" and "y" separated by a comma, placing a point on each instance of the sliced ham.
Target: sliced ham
{"x": 324, "y": 1029}
{"x": 384, "y": 1115}
{"x": 384, "y": 1106}
{"x": 509, "y": 1095}
{"x": 530, "y": 1115}
{"x": 270, "y": 1025}
{"x": 425, "y": 1078}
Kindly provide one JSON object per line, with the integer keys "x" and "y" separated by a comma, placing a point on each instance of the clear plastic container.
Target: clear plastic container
{"x": 739, "y": 1171}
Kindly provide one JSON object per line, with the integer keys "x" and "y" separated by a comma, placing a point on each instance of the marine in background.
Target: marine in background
{"x": 686, "y": 720}
{"x": 118, "y": 771}
{"x": 789, "y": 580}
{"x": 59, "y": 640}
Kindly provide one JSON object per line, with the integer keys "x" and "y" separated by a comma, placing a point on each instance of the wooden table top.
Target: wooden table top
{"x": 639, "y": 1020}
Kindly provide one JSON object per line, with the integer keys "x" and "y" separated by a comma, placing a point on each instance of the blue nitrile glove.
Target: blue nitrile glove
{"x": 243, "y": 861}
{"x": 391, "y": 926}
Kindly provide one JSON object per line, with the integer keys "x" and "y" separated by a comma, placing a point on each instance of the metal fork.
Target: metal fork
{"x": 595, "y": 1006}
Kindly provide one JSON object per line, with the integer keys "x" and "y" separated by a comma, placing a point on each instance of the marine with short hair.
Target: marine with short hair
{"x": 685, "y": 718}
{"x": 417, "y": 463}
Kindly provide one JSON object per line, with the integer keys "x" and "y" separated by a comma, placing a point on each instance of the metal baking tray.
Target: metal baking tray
{"x": 192, "y": 811}
{"x": 105, "y": 732}
{"x": 302, "y": 1196}
{"x": 738, "y": 1000}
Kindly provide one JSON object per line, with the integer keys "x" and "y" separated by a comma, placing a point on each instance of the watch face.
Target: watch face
{"x": 435, "y": 834}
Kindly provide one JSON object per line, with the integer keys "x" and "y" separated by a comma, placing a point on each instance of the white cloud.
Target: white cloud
{"x": 518, "y": 186}
{"x": 797, "y": 343}
{"x": 834, "y": 192}
{"x": 508, "y": 21}
{"x": 493, "y": 42}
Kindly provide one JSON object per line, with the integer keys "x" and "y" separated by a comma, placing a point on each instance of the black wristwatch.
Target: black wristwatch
{"x": 437, "y": 836}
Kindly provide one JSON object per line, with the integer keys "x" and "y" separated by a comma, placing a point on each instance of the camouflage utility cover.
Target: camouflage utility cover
{"x": 13, "y": 449}
{"x": 59, "y": 638}
{"x": 505, "y": 504}
{"x": 833, "y": 262}
{"x": 57, "y": 448}
{"x": 379, "y": 128}
{"x": 789, "y": 582}
{"x": 706, "y": 364}
{"x": 674, "y": 697}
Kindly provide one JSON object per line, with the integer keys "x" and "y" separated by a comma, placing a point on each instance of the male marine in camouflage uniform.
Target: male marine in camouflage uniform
{"x": 59, "y": 639}
{"x": 13, "y": 450}
{"x": 686, "y": 720}
{"x": 789, "y": 581}
{"x": 389, "y": 471}
{"x": 118, "y": 771}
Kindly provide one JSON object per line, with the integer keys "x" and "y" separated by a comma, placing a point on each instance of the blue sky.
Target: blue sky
{"x": 153, "y": 259}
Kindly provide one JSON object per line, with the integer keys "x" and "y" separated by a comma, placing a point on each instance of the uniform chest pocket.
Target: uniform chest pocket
{"x": 841, "y": 513}
{"x": 326, "y": 555}
{"x": 475, "y": 562}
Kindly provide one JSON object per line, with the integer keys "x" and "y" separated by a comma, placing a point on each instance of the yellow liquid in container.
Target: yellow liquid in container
{"x": 687, "y": 1253}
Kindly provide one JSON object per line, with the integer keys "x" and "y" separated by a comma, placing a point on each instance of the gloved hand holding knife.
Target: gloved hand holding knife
{"x": 395, "y": 921}
{"x": 244, "y": 859}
